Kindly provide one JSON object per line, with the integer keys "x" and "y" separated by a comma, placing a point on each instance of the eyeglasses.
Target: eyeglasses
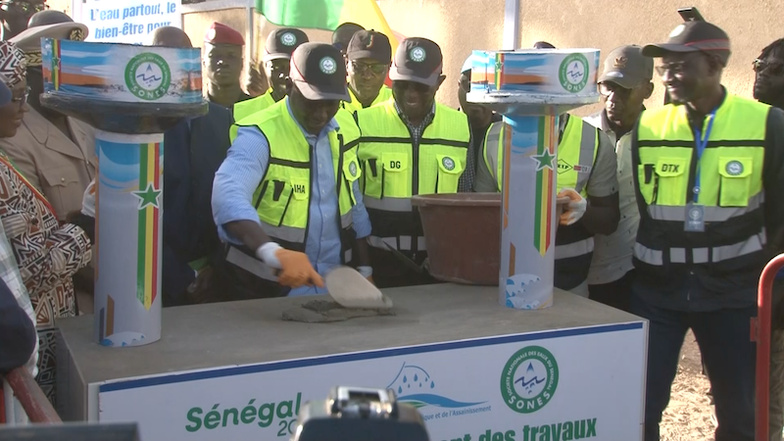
{"x": 20, "y": 100}
{"x": 375, "y": 69}
{"x": 24, "y": 6}
{"x": 774, "y": 68}
{"x": 607, "y": 89}
{"x": 674, "y": 68}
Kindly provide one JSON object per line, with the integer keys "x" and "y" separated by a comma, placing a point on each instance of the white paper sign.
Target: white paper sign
{"x": 584, "y": 383}
{"x": 128, "y": 21}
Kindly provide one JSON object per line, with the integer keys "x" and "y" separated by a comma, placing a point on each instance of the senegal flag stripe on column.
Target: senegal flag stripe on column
{"x": 142, "y": 233}
{"x": 147, "y": 257}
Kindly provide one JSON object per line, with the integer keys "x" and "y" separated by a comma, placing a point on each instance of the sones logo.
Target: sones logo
{"x": 573, "y": 73}
{"x": 529, "y": 379}
{"x": 148, "y": 76}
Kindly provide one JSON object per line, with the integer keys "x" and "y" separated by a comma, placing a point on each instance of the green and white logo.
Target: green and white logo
{"x": 529, "y": 379}
{"x": 352, "y": 169}
{"x": 734, "y": 168}
{"x": 288, "y": 39}
{"x": 573, "y": 73}
{"x": 328, "y": 65}
{"x": 448, "y": 163}
{"x": 418, "y": 54}
{"x": 148, "y": 76}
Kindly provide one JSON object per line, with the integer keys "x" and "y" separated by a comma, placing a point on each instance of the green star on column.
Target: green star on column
{"x": 148, "y": 197}
{"x": 544, "y": 159}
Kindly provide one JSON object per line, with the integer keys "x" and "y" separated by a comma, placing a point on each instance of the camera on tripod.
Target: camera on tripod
{"x": 359, "y": 414}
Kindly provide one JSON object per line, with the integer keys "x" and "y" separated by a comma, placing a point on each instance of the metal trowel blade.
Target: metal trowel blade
{"x": 351, "y": 290}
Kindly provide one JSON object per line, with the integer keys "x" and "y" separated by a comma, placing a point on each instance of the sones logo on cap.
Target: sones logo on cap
{"x": 328, "y": 65}
{"x": 418, "y": 54}
{"x": 288, "y": 39}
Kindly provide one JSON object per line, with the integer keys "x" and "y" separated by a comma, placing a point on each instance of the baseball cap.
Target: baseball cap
{"x": 627, "y": 67}
{"x": 417, "y": 59}
{"x": 693, "y": 36}
{"x": 282, "y": 42}
{"x": 219, "y": 33}
{"x": 319, "y": 72}
{"x": 369, "y": 44}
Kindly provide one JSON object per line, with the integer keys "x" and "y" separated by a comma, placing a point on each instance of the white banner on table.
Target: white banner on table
{"x": 128, "y": 21}
{"x": 584, "y": 383}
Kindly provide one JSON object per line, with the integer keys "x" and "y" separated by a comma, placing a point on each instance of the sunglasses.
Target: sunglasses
{"x": 375, "y": 69}
{"x": 775, "y": 68}
{"x": 674, "y": 68}
{"x": 23, "y": 6}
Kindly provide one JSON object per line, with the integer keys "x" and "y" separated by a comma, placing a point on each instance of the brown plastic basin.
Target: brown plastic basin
{"x": 463, "y": 236}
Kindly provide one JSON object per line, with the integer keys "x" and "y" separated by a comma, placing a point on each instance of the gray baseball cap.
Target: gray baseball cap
{"x": 319, "y": 72}
{"x": 418, "y": 60}
{"x": 627, "y": 67}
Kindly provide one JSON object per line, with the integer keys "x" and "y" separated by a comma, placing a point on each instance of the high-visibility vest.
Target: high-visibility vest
{"x": 244, "y": 109}
{"x": 384, "y": 94}
{"x": 282, "y": 198}
{"x": 730, "y": 198}
{"x": 576, "y": 157}
{"x": 392, "y": 171}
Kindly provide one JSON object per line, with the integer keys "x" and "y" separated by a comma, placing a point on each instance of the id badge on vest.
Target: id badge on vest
{"x": 695, "y": 218}
{"x": 695, "y": 213}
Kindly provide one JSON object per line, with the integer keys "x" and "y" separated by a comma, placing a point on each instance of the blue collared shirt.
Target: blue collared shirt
{"x": 241, "y": 172}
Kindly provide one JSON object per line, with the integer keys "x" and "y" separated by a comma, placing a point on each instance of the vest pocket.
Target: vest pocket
{"x": 735, "y": 181}
{"x": 273, "y": 201}
{"x": 672, "y": 181}
{"x": 449, "y": 171}
{"x": 648, "y": 182}
{"x": 396, "y": 180}
{"x": 373, "y": 175}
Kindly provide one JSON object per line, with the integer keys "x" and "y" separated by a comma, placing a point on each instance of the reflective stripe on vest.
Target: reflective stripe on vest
{"x": 384, "y": 94}
{"x": 710, "y": 214}
{"x": 650, "y": 256}
{"x": 574, "y": 249}
{"x": 389, "y": 204}
{"x": 282, "y": 199}
{"x": 731, "y": 187}
{"x": 390, "y": 168}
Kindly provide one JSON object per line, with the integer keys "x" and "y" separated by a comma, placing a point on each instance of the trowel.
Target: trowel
{"x": 352, "y": 290}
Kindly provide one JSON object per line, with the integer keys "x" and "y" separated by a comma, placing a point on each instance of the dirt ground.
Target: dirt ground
{"x": 688, "y": 416}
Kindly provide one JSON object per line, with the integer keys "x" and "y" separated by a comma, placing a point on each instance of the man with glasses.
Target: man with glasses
{"x": 409, "y": 145}
{"x": 708, "y": 176}
{"x": 624, "y": 84}
{"x": 769, "y": 89}
{"x": 15, "y": 14}
{"x": 369, "y": 56}
{"x": 275, "y": 64}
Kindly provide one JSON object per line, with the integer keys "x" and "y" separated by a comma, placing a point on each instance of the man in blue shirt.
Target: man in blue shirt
{"x": 291, "y": 179}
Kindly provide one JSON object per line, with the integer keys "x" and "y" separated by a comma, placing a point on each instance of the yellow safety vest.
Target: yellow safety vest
{"x": 392, "y": 171}
{"x": 384, "y": 94}
{"x": 576, "y": 156}
{"x": 283, "y": 196}
{"x": 244, "y": 109}
{"x": 730, "y": 196}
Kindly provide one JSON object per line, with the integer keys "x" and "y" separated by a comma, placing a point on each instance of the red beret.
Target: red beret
{"x": 219, "y": 33}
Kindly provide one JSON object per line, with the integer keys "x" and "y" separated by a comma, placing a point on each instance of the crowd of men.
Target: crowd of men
{"x": 672, "y": 211}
